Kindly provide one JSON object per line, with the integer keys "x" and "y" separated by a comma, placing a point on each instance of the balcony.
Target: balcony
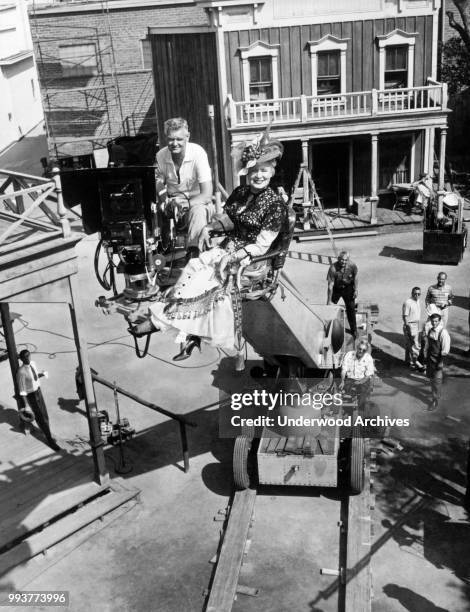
{"x": 303, "y": 109}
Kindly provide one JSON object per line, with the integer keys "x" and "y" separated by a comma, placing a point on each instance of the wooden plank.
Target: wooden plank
{"x": 358, "y": 574}
{"x": 24, "y": 574}
{"x": 54, "y": 476}
{"x": 357, "y": 55}
{"x": 305, "y": 60}
{"x": 22, "y": 285}
{"x": 296, "y": 53}
{"x": 224, "y": 585}
{"x": 17, "y": 526}
{"x": 45, "y": 255}
{"x": 64, "y": 528}
{"x": 429, "y": 44}
{"x": 420, "y": 57}
{"x": 284, "y": 64}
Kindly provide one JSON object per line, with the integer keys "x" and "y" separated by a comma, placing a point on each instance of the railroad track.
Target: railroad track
{"x": 350, "y": 589}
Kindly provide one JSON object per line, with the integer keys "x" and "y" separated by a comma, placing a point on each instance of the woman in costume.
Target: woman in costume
{"x": 199, "y": 305}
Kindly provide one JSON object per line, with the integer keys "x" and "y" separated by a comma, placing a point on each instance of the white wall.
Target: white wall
{"x": 20, "y": 101}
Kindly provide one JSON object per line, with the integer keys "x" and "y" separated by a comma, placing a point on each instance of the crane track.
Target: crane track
{"x": 350, "y": 589}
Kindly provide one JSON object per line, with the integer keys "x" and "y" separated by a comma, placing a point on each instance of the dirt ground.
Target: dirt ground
{"x": 156, "y": 556}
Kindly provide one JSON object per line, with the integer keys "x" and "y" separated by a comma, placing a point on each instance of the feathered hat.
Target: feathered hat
{"x": 249, "y": 154}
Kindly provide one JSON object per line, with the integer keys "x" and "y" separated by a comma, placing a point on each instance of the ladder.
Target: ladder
{"x": 313, "y": 211}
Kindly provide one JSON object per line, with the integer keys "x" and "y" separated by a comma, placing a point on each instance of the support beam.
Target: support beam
{"x": 351, "y": 174}
{"x": 442, "y": 158}
{"x": 11, "y": 346}
{"x": 305, "y": 164}
{"x": 96, "y": 441}
{"x": 442, "y": 161}
{"x": 412, "y": 157}
{"x": 427, "y": 138}
{"x": 432, "y": 136}
{"x": 373, "y": 179}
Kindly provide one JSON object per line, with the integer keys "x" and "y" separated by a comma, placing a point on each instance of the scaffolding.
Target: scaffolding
{"x": 79, "y": 87}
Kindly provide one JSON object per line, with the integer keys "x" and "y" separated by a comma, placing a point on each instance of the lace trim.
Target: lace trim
{"x": 192, "y": 308}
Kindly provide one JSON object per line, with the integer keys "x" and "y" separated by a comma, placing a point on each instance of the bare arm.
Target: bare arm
{"x": 329, "y": 292}
{"x": 205, "y": 194}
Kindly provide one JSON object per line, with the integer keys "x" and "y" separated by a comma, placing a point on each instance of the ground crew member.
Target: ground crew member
{"x": 342, "y": 283}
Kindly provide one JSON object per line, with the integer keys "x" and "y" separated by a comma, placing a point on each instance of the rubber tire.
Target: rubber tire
{"x": 241, "y": 451}
{"x": 356, "y": 465}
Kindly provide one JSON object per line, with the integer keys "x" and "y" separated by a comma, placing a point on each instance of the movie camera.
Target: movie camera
{"x": 138, "y": 223}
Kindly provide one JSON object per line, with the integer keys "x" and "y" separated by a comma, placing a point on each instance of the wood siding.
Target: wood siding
{"x": 186, "y": 78}
{"x": 362, "y": 58}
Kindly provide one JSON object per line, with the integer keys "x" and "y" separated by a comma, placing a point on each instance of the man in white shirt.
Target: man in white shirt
{"x": 411, "y": 313}
{"x": 31, "y": 394}
{"x": 184, "y": 168}
{"x": 437, "y": 347}
{"x": 357, "y": 372}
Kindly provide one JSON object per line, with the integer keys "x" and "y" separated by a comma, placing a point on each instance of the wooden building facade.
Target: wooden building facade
{"x": 348, "y": 86}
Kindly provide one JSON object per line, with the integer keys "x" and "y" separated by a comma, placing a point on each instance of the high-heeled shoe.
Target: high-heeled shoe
{"x": 142, "y": 329}
{"x": 187, "y": 348}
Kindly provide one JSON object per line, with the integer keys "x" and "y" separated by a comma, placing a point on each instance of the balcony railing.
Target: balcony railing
{"x": 306, "y": 109}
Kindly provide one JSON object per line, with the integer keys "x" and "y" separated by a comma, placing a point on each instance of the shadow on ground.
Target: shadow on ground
{"x": 415, "y": 255}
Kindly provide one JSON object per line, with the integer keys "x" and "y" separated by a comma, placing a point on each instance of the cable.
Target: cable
{"x": 113, "y": 342}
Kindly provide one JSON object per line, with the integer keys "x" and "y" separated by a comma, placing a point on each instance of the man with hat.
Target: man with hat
{"x": 30, "y": 394}
{"x": 437, "y": 346}
{"x": 342, "y": 283}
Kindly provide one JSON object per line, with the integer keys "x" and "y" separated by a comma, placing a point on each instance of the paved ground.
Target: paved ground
{"x": 156, "y": 556}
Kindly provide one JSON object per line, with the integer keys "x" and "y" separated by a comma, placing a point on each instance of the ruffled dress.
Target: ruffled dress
{"x": 200, "y": 303}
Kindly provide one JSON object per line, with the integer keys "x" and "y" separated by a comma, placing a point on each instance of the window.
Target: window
{"x": 78, "y": 60}
{"x": 328, "y": 72}
{"x": 396, "y": 59}
{"x": 261, "y": 81}
{"x": 328, "y": 65}
{"x": 260, "y": 71}
{"x": 396, "y": 67}
{"x": 146, "y": 49}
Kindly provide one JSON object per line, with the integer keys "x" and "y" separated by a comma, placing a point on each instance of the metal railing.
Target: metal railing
{"x": 183, "y": 422}
{"x": 305, "y": 109}
{"x": 21, "y": 196}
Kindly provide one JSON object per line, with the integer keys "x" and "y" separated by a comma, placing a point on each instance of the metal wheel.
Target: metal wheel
{"x": 356, "y": 465}
{"x": 241, "y": 452}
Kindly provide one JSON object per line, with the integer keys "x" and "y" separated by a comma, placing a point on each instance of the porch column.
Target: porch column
{"x": 427, "y": 137}
{"x": 373, "y": 179}
{"x": 442, "y": 161}
{"x": 351, "y": 174}
{"x": 412, "y": 157}
{"x": 432, "y": 136}
{"x": 305, "y": 165}
{"x": 235, "y": 177}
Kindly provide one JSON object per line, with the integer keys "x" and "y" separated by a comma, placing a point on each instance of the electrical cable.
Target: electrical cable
{"x": 112, "y": 342}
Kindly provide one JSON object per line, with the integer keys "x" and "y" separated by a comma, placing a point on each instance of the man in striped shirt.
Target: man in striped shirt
{"x": 441, "y": 296}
